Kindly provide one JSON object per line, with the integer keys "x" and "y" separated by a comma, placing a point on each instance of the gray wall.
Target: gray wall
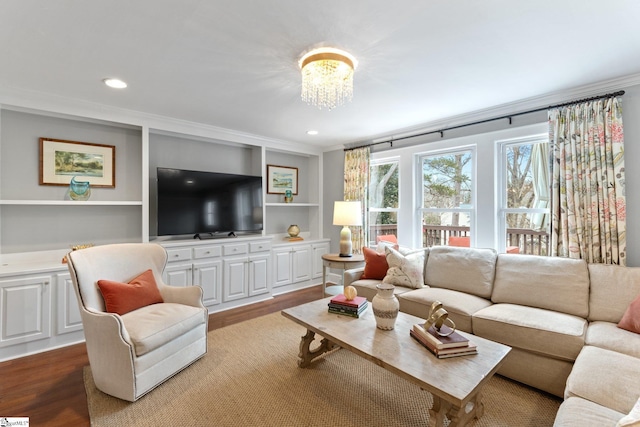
{"x": 333, "y": 189}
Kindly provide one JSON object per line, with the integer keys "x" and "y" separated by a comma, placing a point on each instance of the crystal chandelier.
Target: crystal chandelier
{"x": 327, "y": 77}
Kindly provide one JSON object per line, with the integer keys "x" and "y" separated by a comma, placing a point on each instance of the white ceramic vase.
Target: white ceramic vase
{"x": 385, "y": 307}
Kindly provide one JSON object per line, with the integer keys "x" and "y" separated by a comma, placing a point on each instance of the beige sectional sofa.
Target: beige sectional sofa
{"x": 558, "y": 315}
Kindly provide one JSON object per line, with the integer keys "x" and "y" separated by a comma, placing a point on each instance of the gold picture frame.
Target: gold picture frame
{"x": 61, "y": 160}
{"x": 282, "y": 178}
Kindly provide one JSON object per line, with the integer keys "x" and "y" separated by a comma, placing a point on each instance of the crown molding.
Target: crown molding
{"x": 526, "y": 104}
{"x": 59, "y": 106}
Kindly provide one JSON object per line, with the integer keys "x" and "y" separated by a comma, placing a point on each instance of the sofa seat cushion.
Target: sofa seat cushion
{"x": 152, "y": 326}
{"x": 460, "y": 305}
{"x": 541, "y": 331}
{"x": 552, "y": 283}
{"x": 576, "y": 411}
{"x": 608, "y": 336}
{"x": 467, "y": 270}
{"x": 605, "y": 377}
{"x": 367, "y": 288}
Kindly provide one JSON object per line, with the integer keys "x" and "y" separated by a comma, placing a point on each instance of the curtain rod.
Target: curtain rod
{"x": 508, "y": 116}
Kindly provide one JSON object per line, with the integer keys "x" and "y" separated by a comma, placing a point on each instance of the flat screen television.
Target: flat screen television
{"x": 208, "y": 204}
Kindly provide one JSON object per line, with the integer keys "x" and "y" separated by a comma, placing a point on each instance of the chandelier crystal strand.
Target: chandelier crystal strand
{"x": 327, "y": 77}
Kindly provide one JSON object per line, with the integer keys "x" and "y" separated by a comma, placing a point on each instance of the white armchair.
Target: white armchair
{"x": 130, "y": 354}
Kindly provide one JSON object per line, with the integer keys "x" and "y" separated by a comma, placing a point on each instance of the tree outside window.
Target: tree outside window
{"x": 384, "y": 198}
{"x": 525, "y": 196}
{"x": 447, "y": 196}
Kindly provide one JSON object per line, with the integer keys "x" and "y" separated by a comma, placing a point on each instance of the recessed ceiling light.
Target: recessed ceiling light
{"x": 115, "y": 83}
{"x": 312, "y": 132}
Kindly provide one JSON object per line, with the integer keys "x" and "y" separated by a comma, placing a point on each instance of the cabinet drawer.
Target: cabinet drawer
{"x": 238, "y": 249}
{"x": 207, "y": 252}
{"x": 260, "y": 247}
{"x": 180, "y": 254}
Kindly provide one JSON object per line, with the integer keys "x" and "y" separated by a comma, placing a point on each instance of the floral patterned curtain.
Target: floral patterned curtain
{"x": 356, "y": 181}
{"x": 588, "y": 205}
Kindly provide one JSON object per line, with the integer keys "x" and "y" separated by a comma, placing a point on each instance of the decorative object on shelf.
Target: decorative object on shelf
{"x": 385, "y": 307}
{"x": 282, "y": 178}
{"x": 77, "y": 248}
{"x": 438, "y": 316}
{"x": 79, "y": 190}
{"x": 327, "y": 77}
{"x": 61, "y": 160}
{"x": 350, "y": 293}
{"x": 293, "y": 230}
{"x": 347, "y": 214}
{"x": 288, "y": 196}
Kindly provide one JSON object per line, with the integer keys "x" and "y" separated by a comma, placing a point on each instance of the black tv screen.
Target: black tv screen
{"x": 206, "y": 203}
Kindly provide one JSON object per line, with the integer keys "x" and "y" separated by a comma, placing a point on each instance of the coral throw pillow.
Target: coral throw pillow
{"x": 405, "y": 270}
{"x": 122, "y": 298}
{"x": 375, "y": 264}
{"x": 631, "y": 318}
{"x": 460, "y": 241}
{"x": 391, "y": 238}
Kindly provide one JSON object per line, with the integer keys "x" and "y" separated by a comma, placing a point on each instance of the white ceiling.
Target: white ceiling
{"x": 233, "y": 64}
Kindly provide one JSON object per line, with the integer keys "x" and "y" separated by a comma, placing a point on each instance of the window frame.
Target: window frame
{"x": 419, "y": 193}
{"x": 502, "y": 210}
{"x": 378, "y": 162}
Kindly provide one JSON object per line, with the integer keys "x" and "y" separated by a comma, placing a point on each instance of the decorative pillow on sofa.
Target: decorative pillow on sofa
{"x": 405, "y": 269}
{"x": 633, "y": 419}
{"x": 631, "y": 318}
{"x": 375, "y": 264}
{"x": 122, "y": 298}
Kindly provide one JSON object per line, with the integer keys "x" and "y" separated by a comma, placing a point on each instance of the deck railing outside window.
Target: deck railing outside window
{"x": 528, "y": 241}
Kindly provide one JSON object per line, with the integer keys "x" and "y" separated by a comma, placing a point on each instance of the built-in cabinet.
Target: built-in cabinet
{"x": 38, "y": 311}
{"x": 39, "y": 223}
{"x": 292, "y": 264}
{"x": 242, "y": 270}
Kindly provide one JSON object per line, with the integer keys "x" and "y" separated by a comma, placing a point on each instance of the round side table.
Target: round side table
{"x": 341, "y": 263}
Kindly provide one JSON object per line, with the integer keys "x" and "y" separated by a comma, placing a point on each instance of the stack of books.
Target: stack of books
{"x": 443, "y": 347}
{"x": 341, "y": 305}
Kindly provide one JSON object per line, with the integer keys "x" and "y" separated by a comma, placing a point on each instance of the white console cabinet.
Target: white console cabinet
{"x": 291, "y": 264}
{"x": 297, "y": 265}
{"x": 228, "y": 270}
{"x": 38, "y": 306}
{"x": 26, "y": 309}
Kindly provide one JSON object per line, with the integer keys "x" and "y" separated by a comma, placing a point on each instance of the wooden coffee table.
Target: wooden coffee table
{"x": 455, "y": 383}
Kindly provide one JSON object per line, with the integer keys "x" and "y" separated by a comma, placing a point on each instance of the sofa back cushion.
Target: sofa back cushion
{"x": 468, "y": 270}
{"x": 612, "y": 290}
{"x": 551, "y": 283}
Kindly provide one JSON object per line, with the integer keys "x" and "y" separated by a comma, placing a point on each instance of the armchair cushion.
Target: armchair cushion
{"x": 152, "y": 326}
{"x": 121, "y": 298}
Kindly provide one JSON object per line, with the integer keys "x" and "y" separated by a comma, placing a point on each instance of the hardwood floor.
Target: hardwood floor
{"x": 48, "y": 387}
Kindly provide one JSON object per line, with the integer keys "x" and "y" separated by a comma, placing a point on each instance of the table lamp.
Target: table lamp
{"x": 346, "y": 214}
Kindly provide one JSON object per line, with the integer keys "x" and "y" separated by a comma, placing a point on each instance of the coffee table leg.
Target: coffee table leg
{"x": 306, "y": 355}
{"x": 457, "y": 416}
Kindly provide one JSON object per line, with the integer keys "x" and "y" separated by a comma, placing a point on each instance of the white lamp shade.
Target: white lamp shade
{"x": 347, "y": 213}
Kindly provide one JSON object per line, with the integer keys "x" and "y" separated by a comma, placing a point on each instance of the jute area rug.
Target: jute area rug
{"x": 250, "y": 377}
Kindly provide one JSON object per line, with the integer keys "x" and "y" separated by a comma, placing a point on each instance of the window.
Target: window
{"x": 384, "y": 198}
{"x": 524, "y": 201}
{"x": 447, "y": 207}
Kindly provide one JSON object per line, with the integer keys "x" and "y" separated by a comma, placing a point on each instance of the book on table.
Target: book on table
{"x": 444, "y": 353}
{"x": 349, "y": 311}
{"x": 342, "y": 300}
{"x": 454, "y": 339}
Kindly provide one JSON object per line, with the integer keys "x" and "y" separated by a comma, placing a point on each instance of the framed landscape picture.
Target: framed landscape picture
{"x": 61, "y": 160}
{"x": 282, "y": 178}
